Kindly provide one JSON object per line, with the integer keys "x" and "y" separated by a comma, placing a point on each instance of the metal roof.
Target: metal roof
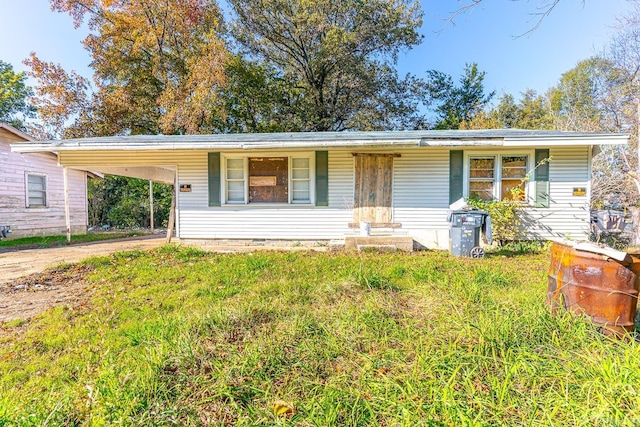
{"x": 301, "y": 140}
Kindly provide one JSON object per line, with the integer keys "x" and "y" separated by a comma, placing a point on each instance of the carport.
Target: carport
{"x": 100, "y": 162}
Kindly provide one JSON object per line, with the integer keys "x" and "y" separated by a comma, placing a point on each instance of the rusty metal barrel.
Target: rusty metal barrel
{"x": 595, "y": 285}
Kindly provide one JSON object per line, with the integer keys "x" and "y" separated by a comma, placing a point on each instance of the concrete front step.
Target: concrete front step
{"x": 357, "y": 243}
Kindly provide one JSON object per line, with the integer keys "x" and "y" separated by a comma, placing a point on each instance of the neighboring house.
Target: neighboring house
{"x": 31, "y": 190}
{"x": 320, "y": 186}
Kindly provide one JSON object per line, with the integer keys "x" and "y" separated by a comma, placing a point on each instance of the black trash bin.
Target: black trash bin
{"x": 464, "y": 232}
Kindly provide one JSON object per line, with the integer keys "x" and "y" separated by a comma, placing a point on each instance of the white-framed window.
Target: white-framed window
{"x": 268, "y": 178}
{"x": 498, "y": 177}
{"x": 235, "y": 179}
{"x": 36, "y": 189}
{"x": 300, "y": 179}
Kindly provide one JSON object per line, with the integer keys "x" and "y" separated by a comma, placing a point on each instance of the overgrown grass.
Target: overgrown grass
{"x": 183, "y": 337}
{"x": 56, "y": 241}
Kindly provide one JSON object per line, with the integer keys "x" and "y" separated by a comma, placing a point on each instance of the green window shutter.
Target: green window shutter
{"x": 542, "y": 178}
{"x": 322, "y": 178}
{"x": 456, "y": 167}
{"x": 214, "y": 179}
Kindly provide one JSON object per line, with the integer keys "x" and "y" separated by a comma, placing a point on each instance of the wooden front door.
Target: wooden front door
{"x": 372, "y": 195}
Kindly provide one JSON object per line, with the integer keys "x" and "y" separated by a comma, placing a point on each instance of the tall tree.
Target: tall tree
{"x": 158, "y": 67}
{"x": 587, "y": 97}
{"x": 338, "y": 56}
{"x": 457, "y": 104}
{"x": 532, "y": 111}
{"x": 14, "y": 95}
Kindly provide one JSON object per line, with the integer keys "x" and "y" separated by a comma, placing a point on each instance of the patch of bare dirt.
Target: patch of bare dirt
{"x": 30, "y": 295}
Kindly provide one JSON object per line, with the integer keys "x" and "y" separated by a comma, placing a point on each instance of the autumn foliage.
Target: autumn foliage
{"x": 158, "y": 67}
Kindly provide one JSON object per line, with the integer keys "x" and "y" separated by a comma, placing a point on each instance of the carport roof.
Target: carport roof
{"x": 319, "y": 140}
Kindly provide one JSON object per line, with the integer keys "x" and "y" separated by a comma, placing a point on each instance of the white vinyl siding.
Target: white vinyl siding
{"x": 420, "y": 196}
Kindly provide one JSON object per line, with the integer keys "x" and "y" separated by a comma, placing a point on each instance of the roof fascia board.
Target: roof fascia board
{"x": 554, "y": 141}
{"x": 463, "y": 142}
{"x": 39, "y": 147}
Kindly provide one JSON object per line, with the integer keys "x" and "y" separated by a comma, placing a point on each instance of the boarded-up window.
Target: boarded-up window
{"x": 482, "y": 177}
{"x": 36, "y": 191}
{"x": 268, "y": 180}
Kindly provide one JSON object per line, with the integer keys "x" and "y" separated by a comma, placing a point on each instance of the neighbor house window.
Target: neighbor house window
{"x": 498, "y": 177}
{"x": 268, "y": 179}
{"x": 36, "y": 191}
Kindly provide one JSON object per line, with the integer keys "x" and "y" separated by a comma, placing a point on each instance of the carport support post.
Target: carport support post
{"x": 151, "y": 205}
{"x": 172, "y": 215}
{"x": 67, "y": 215}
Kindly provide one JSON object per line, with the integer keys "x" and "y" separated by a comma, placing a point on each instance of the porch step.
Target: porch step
{"x": 358, "y": 243}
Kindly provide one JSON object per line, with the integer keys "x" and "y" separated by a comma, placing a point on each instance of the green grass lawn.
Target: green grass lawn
{"x": 179, "y": 336}
{"x": 56, "y": 241}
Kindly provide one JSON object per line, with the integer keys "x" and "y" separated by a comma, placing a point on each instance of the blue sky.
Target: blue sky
{"x": 487, "y": 34}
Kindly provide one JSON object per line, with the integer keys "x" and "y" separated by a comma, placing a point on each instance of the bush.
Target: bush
{"x": 504, "y": 217}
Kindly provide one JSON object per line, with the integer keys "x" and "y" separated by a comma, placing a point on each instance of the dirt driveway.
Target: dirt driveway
{"x": 26, "y": 291}
{"x": 20, "y": 263}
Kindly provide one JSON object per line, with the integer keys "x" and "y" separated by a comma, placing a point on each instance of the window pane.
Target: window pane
{"x": 301, "y": 163}
{"x": 300, "y": 185}
{"x": 300, "y": 196}
{"x": 235, "y": 186}
{"x": 481, "y": 189}
{"x": 482, "y": 168}
{"x": 235, "y": 164}
{"x": 36, "y": 201}
{"x": 513, "y": 189}
{"x": 300, "y": 174}
{"x": 36, "y": 182}
{"x": 514, "y": 167}
{"x": 235, "y": 174}
{"x": 235, "y": 197}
